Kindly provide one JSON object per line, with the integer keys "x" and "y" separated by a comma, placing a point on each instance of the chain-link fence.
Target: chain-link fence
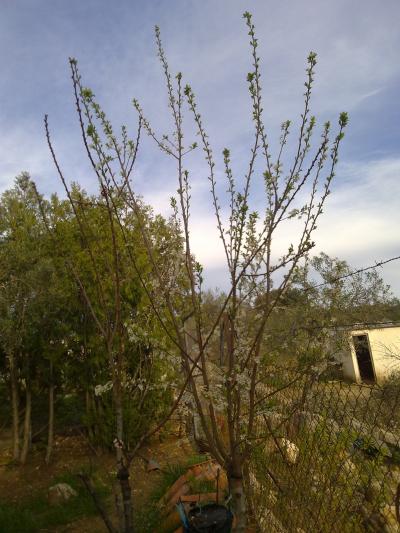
{"x": 329, "y": 457}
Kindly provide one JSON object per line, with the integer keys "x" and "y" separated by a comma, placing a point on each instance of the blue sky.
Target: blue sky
{"x": 357, "y": 42}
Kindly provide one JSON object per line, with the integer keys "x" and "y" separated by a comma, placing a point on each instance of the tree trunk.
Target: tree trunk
{"x": 98, "y": 417}
{"x": 90, "y": 415}
{"x": 239, "y": 505}
{"x": 50, "y": 436}
{"x": 126, "y": 510}
{"x": 123, "y": 476}
{"x": 27, "y": 423}
{"x": 123, "y": 472}
{"x": 14, "y": 406}
{"x": 99, "y": 506}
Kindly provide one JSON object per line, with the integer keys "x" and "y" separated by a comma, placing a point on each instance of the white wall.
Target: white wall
{"x": 385, "y": 351}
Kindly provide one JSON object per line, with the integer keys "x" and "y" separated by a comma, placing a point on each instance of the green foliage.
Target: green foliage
{"x": 320, "y": 485}
{"x": 202, "y": 486}
{"x": 35, "y": 514}
{"x": 49, "y": 316}
{"x": 5, "y": 416}
{"x": 70, "y": 411}
{"x": 324, "y": 294}
{"x": 387, "y": 397}
{"x": 14, "y": 519}
{"x": 149, "y": 517}
{"x": 343, "y": 297}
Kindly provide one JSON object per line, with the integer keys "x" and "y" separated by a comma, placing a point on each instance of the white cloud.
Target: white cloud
{"x": 357, "y": 43}
{"x": 360, "y": 224}
{"x": 362, "y": 218}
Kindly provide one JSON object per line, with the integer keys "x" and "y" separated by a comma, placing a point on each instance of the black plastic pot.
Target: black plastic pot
{"x": 210, "y": 518}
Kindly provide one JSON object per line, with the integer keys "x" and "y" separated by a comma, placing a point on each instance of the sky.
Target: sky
{"x": 358, "y": 71}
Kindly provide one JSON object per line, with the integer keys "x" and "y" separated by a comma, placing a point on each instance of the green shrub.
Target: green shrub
{"x": 69, "y": 411}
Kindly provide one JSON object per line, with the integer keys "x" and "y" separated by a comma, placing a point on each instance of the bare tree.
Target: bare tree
{"x": 226, "y": 395}
{"x": 247, "y": 238}
{"x": 104, "y": 303}
{"x": 109, "y": 260}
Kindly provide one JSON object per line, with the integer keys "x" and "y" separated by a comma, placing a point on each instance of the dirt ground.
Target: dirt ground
{"x": 71, "y": 454}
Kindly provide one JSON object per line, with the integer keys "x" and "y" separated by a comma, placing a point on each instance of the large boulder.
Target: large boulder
{"x": 60, "y": 493}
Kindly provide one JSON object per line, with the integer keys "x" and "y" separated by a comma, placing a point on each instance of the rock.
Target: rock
{"x": 396, "y": 475}
{"x": 388, "y": 437}
{"x": 254, "y": 483}
{"x": 389, "y": 514}
{"x": 311, "y": 422}
{"x": 274, "y": 419}
{"x": 373, "y": 491}
{"x": 285, "y": 447}
{"x": 349, "y": 467}
{"x": 152, "y": 465}
{"x": 270, "y": 447}
{"x": 60, "y": 493}
{"x": 290, "y": 450}
{"x": 272, "y": 498}
{"x": 376, "y": 437}
{"x": 267, "y": 521}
